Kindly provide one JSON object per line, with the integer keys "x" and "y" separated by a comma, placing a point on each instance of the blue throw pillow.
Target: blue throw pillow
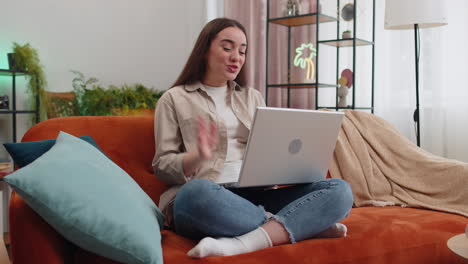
{"x": 27, "y": 152}
{"x": 92, "y": 202}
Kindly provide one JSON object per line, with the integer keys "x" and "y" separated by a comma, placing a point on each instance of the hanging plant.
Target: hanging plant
{"x": 26, "y": 59}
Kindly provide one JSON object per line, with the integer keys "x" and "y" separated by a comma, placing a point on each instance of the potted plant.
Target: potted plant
{"x": 93, "y": 99}
{"x": 346, "y": 34}
{"x": 134, "y": 99}
{"x": 26, "y": 59}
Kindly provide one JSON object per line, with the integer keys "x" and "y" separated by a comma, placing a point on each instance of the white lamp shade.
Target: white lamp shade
{"x": 404, "y": 14}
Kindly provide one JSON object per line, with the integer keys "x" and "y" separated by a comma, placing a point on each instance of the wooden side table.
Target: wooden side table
{"x": 459, "y": 245}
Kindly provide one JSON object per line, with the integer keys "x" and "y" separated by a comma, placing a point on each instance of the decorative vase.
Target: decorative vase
{"x": 342, "y": 93}
{"x": 346, "y": 35}
{"x": 11, "y": 62}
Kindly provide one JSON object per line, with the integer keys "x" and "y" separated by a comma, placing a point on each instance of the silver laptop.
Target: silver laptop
{"x": 288, "y": 146}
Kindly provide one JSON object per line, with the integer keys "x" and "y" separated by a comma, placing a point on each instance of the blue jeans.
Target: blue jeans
{"x": 203, "y": 208}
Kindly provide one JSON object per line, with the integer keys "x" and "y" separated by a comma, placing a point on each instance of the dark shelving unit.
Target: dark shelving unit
{"x": 347, "y": 42}
{"x": 300, "y": 20}
{"x": 13, "y": 111}
{"x": 315, "y": 19}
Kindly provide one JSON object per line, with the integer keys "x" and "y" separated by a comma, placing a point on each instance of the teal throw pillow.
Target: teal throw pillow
{"x": 92, "y": 202}
{"x": 26, "y": 152}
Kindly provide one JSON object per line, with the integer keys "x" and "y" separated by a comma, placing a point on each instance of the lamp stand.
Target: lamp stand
{"x": 416, "y": 116}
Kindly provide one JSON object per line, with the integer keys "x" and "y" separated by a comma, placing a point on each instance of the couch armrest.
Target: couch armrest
{"x": 32, "y": 239}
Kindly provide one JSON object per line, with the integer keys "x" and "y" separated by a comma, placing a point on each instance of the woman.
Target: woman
{"x": 201, "y": 129}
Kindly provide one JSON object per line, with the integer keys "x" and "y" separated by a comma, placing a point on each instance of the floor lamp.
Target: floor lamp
{"x": 415, "y": 14}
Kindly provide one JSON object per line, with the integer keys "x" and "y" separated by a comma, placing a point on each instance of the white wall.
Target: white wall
{"x": 117, "y": 41}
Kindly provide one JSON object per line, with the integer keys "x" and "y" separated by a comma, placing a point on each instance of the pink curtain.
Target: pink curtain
{"x": 253, "y": 15}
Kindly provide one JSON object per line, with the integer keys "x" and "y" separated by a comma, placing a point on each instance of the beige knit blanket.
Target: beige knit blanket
{"x": 385, "y": 168}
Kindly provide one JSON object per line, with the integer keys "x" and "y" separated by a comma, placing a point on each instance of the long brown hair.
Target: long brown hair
{"x": 195, "y": 68}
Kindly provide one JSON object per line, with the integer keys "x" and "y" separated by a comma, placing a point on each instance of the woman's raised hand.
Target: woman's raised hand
{"x": 207, "y": 138}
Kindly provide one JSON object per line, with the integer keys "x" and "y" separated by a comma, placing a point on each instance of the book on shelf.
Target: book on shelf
{"x": 5, "y": 167}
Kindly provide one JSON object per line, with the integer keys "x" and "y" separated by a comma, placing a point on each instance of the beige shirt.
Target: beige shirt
{"x": 175, "y": 133}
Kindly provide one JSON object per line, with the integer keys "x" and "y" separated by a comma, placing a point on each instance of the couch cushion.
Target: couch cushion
{"x": 375, "y": 235}
{"x": 27, "y": 152}
{"x": 127, "y": 140}
{"x": 91, "y": 202}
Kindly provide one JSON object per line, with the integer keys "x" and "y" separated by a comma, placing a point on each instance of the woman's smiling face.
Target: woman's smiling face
{"x": 225, "y": 57}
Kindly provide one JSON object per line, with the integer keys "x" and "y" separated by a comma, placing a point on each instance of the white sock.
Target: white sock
{"x": 335, "y": 231}
{"x": 225, "y": 246}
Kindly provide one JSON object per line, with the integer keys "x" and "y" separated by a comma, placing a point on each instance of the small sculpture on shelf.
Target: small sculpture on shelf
{"x": 291, "y": 8}
{"x": 345, "y": 82}
{"x": 342, "y": 93}
{"x": 4, "y": 102}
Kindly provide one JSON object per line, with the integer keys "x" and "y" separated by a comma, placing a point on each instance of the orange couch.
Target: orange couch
{"x": 376, "y": 234}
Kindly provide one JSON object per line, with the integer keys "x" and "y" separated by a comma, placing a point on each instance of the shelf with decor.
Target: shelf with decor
{"x": 345, "y": 108}
{"x": 347, "y": 42}
{"x": 12, "y": 108}
{"x": 300, "y": 20}
{"x": 302, "y": 85}
{"x": 315, "y": 19}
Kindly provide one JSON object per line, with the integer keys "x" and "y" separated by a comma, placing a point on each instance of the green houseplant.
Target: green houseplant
{"x": 26, "y": 59}
{"x": 93, "y": 99}
{"x": 346, "y": 34}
